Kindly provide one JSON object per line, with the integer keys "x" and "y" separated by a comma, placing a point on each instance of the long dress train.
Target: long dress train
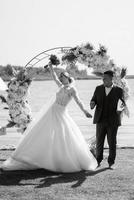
{"x": 54, "y": 142}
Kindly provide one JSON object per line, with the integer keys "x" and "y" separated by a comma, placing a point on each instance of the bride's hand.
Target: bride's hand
{"x": 50, "y": 64}
{"x": 88, "y": 115}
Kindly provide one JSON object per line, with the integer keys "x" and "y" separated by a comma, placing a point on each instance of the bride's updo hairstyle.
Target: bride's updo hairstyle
{"x": 67, "y": 75}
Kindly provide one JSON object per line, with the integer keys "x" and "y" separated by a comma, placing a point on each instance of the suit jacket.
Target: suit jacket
{"x": 116, "y": 93}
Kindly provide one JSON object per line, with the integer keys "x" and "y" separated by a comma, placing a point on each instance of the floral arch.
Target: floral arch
{"x": 98, "y": 60}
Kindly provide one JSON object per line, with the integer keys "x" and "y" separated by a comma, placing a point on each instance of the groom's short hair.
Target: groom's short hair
{"x": 109, "y": 72}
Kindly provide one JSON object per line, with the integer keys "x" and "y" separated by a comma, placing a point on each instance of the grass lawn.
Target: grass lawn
{"x": 117, "y": 184}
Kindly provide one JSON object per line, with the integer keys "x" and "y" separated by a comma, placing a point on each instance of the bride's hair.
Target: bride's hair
{"x": 67, "y": 75}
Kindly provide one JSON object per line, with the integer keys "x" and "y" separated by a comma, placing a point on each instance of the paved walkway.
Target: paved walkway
{"x": 125, "y": 137}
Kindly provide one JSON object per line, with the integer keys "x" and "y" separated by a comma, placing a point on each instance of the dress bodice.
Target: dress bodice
{"x": 63, "y": 96}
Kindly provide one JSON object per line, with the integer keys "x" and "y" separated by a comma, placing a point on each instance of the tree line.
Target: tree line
{"x": 39, "y": 73}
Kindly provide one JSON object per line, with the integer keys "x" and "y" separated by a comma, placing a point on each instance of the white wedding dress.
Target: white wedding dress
{"x": 53, "y": 142}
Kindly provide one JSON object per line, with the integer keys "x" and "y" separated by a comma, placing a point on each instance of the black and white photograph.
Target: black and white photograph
{"x": 66, "y": 100}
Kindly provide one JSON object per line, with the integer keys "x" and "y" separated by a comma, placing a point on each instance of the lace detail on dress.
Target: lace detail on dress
{"x": 63, "y": 96}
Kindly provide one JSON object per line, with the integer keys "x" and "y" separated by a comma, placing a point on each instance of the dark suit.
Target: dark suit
{"x": 107, "y": 120}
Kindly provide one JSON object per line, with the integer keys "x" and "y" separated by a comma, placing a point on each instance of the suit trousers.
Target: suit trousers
{"x": 104, "y": 129}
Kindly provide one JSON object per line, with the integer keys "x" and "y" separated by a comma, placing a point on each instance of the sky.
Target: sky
{"x": 28, "y": 27}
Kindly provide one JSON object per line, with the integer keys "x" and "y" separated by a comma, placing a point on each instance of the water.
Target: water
{"x": 43, "y": 92}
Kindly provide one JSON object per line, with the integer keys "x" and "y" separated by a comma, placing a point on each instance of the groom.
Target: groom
{"x": 106, "y": 117}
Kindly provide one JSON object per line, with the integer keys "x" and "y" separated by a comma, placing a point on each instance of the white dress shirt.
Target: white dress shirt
{"x": 108, "y": 89}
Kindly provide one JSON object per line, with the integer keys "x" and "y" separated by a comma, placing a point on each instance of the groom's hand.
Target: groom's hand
{"x": 92, "y": 104}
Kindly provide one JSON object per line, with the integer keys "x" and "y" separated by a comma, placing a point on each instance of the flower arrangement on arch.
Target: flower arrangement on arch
{"x": 99, "y": 61}
{"x": 16, "y": 100}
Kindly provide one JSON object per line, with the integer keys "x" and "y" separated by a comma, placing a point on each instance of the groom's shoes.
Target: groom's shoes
{"x": 99, "y": 164}
{"x": 111, "y": 166}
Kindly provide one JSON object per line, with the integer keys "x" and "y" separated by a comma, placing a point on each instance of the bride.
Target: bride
{"x": 54, "y": 142}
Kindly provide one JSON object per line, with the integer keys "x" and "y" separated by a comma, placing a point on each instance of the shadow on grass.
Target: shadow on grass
{"x": 48, "y": 178}
{"x": 80, "y": 177}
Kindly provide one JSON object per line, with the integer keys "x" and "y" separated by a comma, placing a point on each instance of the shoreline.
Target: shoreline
{"x": 77, "y": 78}
{"x": 124, "y": 139}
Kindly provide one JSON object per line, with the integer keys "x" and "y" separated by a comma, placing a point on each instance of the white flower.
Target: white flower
{"x": 19, "y": 109}
{"x": 100, "y": 63}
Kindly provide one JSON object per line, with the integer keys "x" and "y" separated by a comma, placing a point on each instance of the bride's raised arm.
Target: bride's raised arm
{"x": 79, "y": 102}
{"x": 54, "y": 75}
